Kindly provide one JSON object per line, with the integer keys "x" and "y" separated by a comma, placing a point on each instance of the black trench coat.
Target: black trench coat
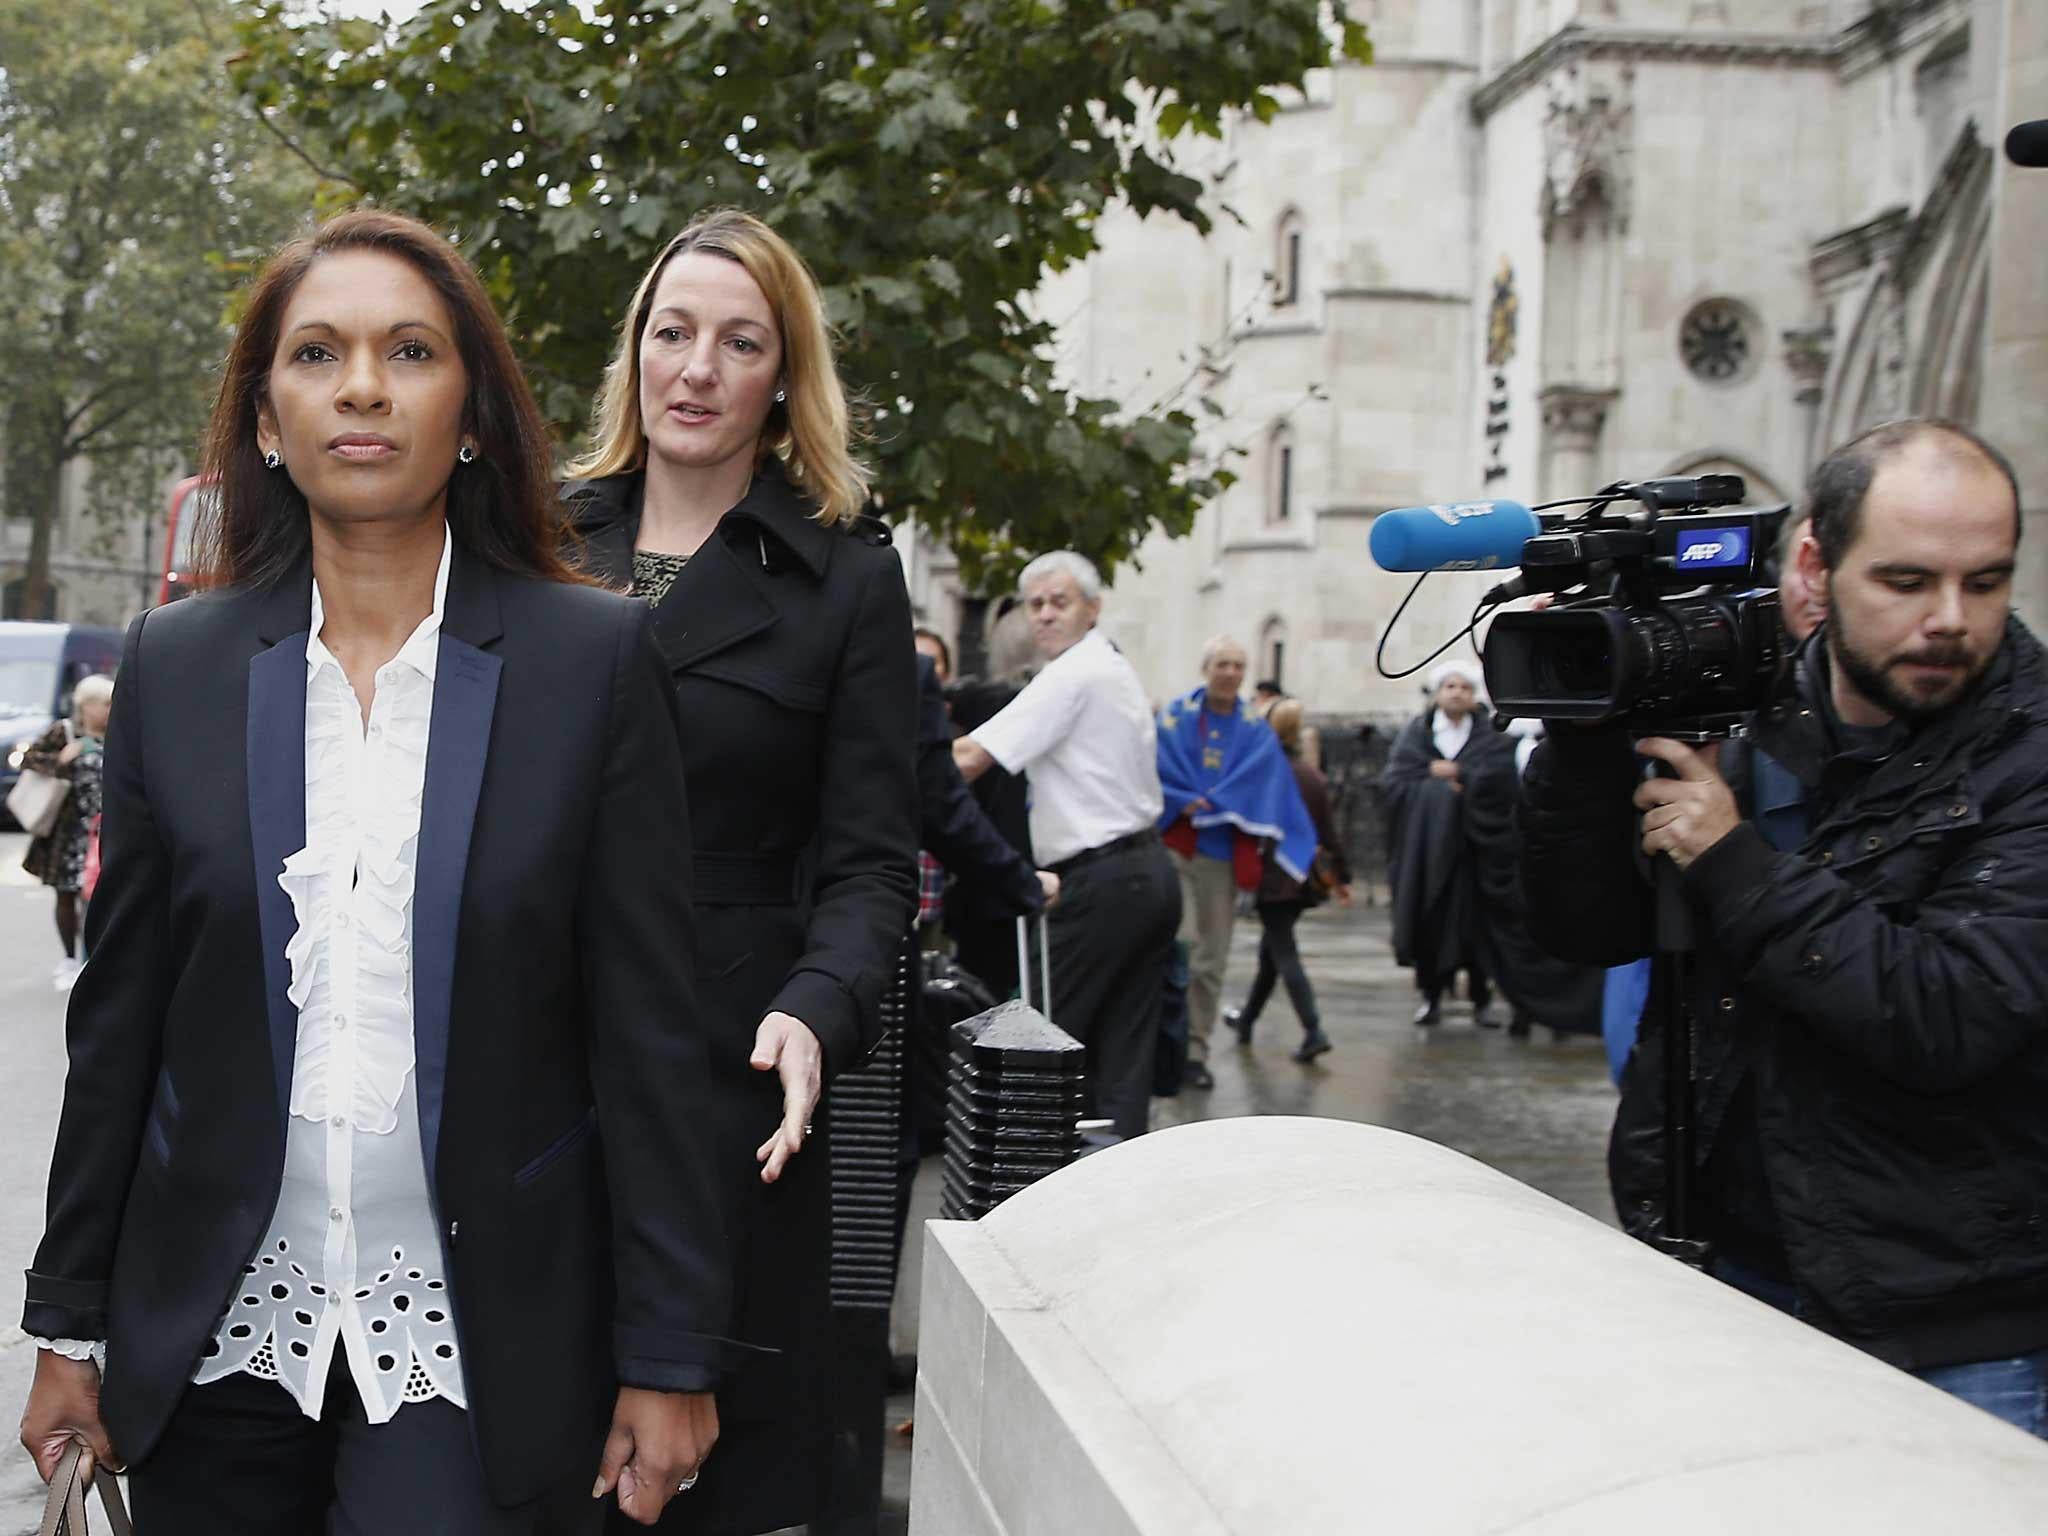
{"x": 790, "y": 647}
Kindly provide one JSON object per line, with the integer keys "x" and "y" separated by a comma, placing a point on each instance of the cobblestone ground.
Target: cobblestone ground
{"x": 1536, "y": 1109}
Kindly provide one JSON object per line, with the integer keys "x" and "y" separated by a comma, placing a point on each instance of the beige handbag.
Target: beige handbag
{"x": 64, "y": 1512}
{"x": 36, "y": 798}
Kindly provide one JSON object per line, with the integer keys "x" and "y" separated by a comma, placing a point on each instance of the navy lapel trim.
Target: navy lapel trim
{"x": 465, "y": 699}
{"x": 277, "y": 830}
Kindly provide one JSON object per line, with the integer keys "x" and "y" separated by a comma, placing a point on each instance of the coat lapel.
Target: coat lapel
{"x": 465, "y": 699}
{"x": 715, "y": 604}
{"x": 276, "y": 744}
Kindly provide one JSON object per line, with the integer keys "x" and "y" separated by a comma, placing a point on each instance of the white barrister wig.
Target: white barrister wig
{"x": 1444, "y": 671}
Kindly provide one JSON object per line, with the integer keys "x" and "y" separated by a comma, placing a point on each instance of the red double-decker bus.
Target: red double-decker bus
{"x": 188, "y": 498}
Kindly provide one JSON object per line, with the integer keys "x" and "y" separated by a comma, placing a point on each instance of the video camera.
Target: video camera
{"x": 1662, "y": 621}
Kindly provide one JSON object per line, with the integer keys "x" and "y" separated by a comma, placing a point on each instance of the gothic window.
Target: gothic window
{"x": 1280, "y": 489}
{"x": 1717, "y": 341}
{"x": 1273, "y": 652}
{"x": 1287, "y": 260}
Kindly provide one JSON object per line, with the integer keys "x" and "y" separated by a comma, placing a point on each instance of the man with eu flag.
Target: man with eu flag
{"x": 1228, "y": 792}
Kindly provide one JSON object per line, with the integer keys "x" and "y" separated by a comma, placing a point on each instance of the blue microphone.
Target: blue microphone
{"x": 1459, "y": 536}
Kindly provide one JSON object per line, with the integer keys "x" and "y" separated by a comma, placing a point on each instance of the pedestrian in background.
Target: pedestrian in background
{"x": 1229, "y": 791}
{"x": 1283, "y": 897}
{"x": 937, "y": 661}
{"x": 722, "y": 487}
{"x": 389, "y": 1017}
{"x": 1084, "y": 731}
{"x": 70, "y": 750}
{"x": 1439, "y": 757}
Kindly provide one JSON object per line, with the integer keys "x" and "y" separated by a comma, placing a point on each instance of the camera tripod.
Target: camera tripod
{"x": 1670, "y": 983}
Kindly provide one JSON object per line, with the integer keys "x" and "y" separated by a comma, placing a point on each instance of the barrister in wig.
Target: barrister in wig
{"x": 378, "y": 1192}
{"x": 722, "y": 490}
{"x": 1437, "y": 761}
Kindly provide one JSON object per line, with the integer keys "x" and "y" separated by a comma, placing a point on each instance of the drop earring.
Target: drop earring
{"x": 466, "y": 454}
{"x": 273, "y": 460}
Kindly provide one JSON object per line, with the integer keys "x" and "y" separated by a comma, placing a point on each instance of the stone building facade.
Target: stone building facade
{"x": 105, "y": 566}
{"x": 1540, "y": 245}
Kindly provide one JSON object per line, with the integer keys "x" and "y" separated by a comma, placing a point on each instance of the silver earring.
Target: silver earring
{"x": 273, "y": 460}
{"x": 466, "y": 453}
{"x": 780, "y": 396}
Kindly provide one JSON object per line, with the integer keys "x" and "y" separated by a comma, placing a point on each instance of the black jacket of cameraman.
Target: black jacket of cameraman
{"x": 1870, "y": 1008}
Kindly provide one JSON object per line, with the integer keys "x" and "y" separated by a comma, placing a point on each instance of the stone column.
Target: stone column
{"x": 2016, "y": 326}
{"x": 1573, "y": 417}
{"x": 1807, "y": 354}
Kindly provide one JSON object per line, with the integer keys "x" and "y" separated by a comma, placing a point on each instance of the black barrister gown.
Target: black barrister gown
{"x": 1457, "y": 890}
{"x": 1431, "y": 847}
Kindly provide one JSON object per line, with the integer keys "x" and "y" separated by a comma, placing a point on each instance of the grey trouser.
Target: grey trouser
{"x": 1208, "y": 911}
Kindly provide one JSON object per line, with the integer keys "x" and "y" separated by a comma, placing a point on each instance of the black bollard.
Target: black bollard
{"x": 866, "y": 1110}
{"x": 1013, "y": 1107}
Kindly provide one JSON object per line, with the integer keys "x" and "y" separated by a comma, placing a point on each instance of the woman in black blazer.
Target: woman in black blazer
{"x": 721, "y": 488}
{"x": 409, "y": 966}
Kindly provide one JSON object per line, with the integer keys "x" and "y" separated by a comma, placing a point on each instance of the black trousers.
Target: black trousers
{"x": 1112, "y": 937}
{"x": 1280, "y": 961}
{"x": 240, "y": 1457}
{"x": 1480, "y": 988}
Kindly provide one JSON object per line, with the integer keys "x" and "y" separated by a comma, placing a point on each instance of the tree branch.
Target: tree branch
{"x": 77, "y": 445}
{"x": 326, "y": 173}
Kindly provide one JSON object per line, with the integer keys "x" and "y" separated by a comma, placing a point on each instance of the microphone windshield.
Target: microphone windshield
{"x": 2028, "y": 144}
{"x": 1460, "y": 536}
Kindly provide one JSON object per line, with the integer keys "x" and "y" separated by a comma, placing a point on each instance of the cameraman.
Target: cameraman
{"x": 1870, "y": 995}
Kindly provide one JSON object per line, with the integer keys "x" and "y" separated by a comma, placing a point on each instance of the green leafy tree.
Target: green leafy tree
{"x": 931, "y": 159}
{"x": 134, "y": 192}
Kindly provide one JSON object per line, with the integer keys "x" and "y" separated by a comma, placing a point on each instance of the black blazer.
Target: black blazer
{"x": 790, "y": 649}
{"x": 560, "y": 1060}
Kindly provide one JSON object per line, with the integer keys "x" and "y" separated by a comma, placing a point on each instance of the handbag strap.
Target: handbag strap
{"x": 64, "y": 1509}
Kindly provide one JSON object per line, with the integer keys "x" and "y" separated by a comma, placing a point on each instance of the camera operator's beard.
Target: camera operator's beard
{"x": 1879, "y": 681}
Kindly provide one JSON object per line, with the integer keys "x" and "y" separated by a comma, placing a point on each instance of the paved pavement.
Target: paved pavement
{"x": 1536, "y": 1109}
{"x": 31, "y": 1083}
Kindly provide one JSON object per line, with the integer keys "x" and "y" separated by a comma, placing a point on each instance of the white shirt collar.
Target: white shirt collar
{"x": 1450, "y": 737}
{"x": 422, "y": 649}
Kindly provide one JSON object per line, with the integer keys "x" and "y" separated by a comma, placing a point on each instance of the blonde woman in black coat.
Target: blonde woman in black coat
{"x": 722, "y": 488}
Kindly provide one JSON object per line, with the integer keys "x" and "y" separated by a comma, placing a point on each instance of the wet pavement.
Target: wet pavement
{"x": 1537, "y": 1109}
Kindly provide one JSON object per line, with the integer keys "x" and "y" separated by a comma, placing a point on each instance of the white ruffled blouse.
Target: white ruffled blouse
{"x": 352, "y": 1259}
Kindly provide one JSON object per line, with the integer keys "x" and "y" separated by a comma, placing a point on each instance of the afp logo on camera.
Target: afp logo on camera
{"x": 1713, "y": 549}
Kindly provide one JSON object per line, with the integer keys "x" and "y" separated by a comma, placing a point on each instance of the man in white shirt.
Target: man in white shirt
{"x": 1084, "y": 732}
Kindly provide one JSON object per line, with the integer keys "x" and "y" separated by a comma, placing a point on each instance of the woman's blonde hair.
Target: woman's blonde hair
{"x": 1285, "y": 718}
{"x": 812, "y": 431}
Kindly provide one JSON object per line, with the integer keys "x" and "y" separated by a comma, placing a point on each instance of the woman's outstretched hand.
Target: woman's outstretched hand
{"x": 785, "y": 1045}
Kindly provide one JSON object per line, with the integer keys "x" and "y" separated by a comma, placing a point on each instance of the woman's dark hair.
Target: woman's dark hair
{"x": 1835, "y": 493}
{"x": 945, "y": 650}
{"x": 501, "y": 508}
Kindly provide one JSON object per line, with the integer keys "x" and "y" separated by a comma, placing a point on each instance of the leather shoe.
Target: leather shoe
{"x": 1428, "y": 1014}
{"x": 1198, "y": 1075}
{"x": 1240, "y": 1026}
{"x": 1312, "y": 1047}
